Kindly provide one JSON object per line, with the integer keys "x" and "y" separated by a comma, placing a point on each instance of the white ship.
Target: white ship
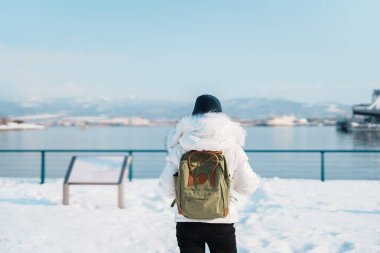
{"x": 370, "y": 110}
{"x": 286, "y": 120}
{"x": 365, "y": 116}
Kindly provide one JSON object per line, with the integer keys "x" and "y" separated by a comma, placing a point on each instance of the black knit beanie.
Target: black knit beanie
{"x": 206, "y": 103}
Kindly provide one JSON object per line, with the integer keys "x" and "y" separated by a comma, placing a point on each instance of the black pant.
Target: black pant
{"x": 192, "y": 236}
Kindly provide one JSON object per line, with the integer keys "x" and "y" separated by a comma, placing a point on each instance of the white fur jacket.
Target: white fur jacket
{"x": 210, "y": 131}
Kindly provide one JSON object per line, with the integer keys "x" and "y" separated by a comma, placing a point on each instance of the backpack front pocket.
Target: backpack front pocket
{"x": 202, "y": 205}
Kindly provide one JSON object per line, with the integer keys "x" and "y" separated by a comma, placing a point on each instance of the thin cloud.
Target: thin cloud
{"x": 27, "y": 72}
{"x": 77, "y": 39}
{"x": 69, "y": 89}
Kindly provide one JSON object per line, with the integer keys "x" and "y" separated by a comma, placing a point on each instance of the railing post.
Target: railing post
{"x": 130, "y": 172}
{"x": 322, "y": 166}
{"x": 42, "y": 167}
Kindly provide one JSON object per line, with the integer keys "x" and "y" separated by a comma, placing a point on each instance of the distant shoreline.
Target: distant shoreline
{"x": 84, "y": 127}
{"x": 41, "y": 122}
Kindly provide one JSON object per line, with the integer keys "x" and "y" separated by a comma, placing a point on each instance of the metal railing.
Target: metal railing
{"x": 130, "y": 152}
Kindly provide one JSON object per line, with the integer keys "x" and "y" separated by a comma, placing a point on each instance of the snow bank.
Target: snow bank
{"x": 282, "y": 216}
{"x": 21, "y": 126}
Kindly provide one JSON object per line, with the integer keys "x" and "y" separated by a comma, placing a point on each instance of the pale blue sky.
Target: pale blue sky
{"x": 299, "y": 50}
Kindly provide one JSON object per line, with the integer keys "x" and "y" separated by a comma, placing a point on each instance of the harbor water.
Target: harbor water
{"x": 149, "y": 165}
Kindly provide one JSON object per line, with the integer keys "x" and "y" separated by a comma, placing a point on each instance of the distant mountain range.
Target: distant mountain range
{"x": 241, "y": 108}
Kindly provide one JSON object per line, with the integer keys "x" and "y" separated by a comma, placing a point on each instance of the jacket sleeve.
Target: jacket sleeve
{"x": 245, "y": 180}
{"x": 166, "y": 180}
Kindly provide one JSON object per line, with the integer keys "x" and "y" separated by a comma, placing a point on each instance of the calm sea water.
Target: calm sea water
{"x": 300, "y": 165}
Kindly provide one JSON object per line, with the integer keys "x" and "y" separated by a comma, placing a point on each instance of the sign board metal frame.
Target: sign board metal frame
{"x": 120, "y": 183}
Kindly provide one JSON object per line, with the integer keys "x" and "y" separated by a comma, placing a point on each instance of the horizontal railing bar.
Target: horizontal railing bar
{"x": 313, "y": 150}
{"x": 164, "y": 151}
{"x": 85, "y": 150}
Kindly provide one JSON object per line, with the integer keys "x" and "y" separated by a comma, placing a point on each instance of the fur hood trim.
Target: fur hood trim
{"x": 210, "y": 131}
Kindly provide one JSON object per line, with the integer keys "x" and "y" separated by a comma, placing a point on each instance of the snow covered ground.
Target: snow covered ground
{"x": 282, "y": 216}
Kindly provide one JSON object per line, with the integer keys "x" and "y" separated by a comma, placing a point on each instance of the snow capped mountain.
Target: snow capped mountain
{"x": 32, "y": 102}
{"x": 242, "y": 108}
{"x": 259, "y": 108}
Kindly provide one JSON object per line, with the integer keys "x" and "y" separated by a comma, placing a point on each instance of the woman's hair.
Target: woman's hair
{"x": 206, "y": 103}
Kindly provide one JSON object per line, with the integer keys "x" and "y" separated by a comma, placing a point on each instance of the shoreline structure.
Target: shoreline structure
{"x": 41, "y": 122}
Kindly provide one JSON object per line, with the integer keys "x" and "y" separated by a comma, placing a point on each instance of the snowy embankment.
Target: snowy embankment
{"x": 21, "y": 126}
{"x": 282, "y": 216}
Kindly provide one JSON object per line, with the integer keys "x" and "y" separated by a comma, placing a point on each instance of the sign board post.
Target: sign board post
{"x": 97, "y": 170}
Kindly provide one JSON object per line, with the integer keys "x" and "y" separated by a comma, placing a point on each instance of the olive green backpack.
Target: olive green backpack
{"x": 202, "y": 185}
